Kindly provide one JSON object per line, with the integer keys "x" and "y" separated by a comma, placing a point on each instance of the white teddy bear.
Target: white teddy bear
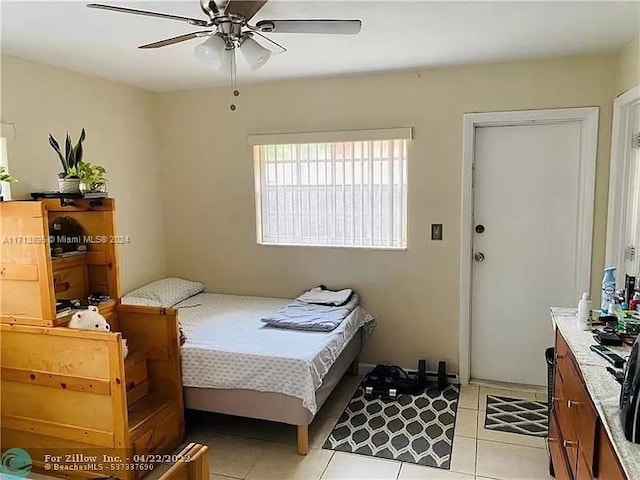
{"x": 91, "y": 319}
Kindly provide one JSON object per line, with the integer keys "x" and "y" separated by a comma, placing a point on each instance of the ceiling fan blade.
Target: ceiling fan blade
{"x": 245, "y": 8}
{"x": 191, "y": 21}
{"x": 178, "y": 39}
{"x": 280, "y": 48}
{"x": 340, "y": 27}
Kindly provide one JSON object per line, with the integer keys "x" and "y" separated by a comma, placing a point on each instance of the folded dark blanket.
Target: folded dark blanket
{"x": 311, "y": 317}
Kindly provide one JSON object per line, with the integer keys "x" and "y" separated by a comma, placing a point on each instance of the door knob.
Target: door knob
{"x": 479, "y": 257}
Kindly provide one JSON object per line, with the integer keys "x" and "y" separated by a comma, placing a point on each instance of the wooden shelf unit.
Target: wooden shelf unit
{"x": 70, "y": 391}
{"x": 32, "y": 279}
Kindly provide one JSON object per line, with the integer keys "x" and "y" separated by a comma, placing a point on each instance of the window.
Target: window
{"x": 350, "y": 191}
{"x": 6, "y": 132}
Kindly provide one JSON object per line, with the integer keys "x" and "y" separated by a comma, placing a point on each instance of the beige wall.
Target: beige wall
{"x": 628, "y": 66}
{"x": 40, "y": 99}
{"x": 209, "y": 214}
{"x": 208, "y": 172}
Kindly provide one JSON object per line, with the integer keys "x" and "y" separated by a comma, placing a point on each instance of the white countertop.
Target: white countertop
{"x": 603, "y": 388}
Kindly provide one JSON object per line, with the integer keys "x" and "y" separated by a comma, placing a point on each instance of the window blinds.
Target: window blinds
{"x": 343, "y": 194}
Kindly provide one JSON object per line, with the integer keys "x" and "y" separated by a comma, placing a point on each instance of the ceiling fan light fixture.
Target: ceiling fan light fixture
{"x": 227, "y": 28}
{"x": 213, "y": 52}
{"x": 254, "y": 53}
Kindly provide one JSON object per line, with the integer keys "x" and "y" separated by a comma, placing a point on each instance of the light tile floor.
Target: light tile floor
{"x": 258, "y": 450}
{"x": 249, "y": 449}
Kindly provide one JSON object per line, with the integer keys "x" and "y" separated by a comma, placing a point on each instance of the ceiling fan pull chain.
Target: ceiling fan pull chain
{"x": 234, "y": 89}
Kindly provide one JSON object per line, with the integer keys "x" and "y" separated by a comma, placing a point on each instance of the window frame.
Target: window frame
{"x": 620, "y": 182}
{"x": 352, "y": 136}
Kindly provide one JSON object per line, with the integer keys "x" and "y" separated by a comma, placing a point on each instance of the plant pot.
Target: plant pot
{"x": 69, "y": 185}
{"x": 95, "y": 187}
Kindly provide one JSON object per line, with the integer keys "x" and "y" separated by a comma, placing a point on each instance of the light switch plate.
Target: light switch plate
{"x": 436, "y": 231}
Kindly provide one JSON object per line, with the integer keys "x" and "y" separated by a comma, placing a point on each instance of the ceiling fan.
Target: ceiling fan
{"x": 227, "y": 29}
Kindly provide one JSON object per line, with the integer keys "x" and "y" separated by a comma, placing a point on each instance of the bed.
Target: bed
{"x": 233, "y": 364}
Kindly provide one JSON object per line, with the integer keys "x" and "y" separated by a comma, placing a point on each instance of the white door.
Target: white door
{"x": 526, "y": 182}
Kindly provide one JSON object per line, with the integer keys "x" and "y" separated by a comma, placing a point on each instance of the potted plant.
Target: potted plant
{"x": 91, "y": 178}
{"x": 68, "y": 179}
{"x": 5, "y": 176}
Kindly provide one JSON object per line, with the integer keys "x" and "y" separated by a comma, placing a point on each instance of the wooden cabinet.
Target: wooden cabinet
{"x": 155, "y": 435}
{"x": 68, "y": 391}
{"x": 578, "y": 444}
{"x": 557, "y": 450}
{"x": 608, "y": 465}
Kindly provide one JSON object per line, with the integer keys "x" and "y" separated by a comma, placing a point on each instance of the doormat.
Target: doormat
{"x": 515, "y": 415}
{"x": 413, "y": 428}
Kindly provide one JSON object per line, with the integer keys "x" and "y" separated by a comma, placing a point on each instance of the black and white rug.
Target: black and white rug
{"x": 515, "y": 415}
{"x": 414, "y": 428}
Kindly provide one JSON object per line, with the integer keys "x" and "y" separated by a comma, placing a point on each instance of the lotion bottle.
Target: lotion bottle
{"x": 584, "y": 312}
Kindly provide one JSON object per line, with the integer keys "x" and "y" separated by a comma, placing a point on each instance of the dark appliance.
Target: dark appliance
{"x": 390, "y": 381}
{"x": 630, "y": 396}
{"x": 630, "y": 285}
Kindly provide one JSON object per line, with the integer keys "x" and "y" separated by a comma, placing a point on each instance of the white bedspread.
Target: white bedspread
{"x": 229, "y": 347}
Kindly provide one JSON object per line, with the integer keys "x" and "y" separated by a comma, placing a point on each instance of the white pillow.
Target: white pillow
{"x": 168, "y": 291}
{"x": 145, "y": 302}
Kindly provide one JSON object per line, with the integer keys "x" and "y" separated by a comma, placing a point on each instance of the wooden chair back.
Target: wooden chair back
{"x": 192, "y": 464}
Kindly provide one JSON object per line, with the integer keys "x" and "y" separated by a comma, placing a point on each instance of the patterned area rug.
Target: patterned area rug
{"x": 413, "y": 428}
{"x": 515, "y": 415}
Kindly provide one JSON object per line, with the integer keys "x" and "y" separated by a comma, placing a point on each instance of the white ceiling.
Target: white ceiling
{"x": 396, "y": 35}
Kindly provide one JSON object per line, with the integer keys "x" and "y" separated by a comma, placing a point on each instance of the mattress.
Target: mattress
{"x": 228, "y": 347}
